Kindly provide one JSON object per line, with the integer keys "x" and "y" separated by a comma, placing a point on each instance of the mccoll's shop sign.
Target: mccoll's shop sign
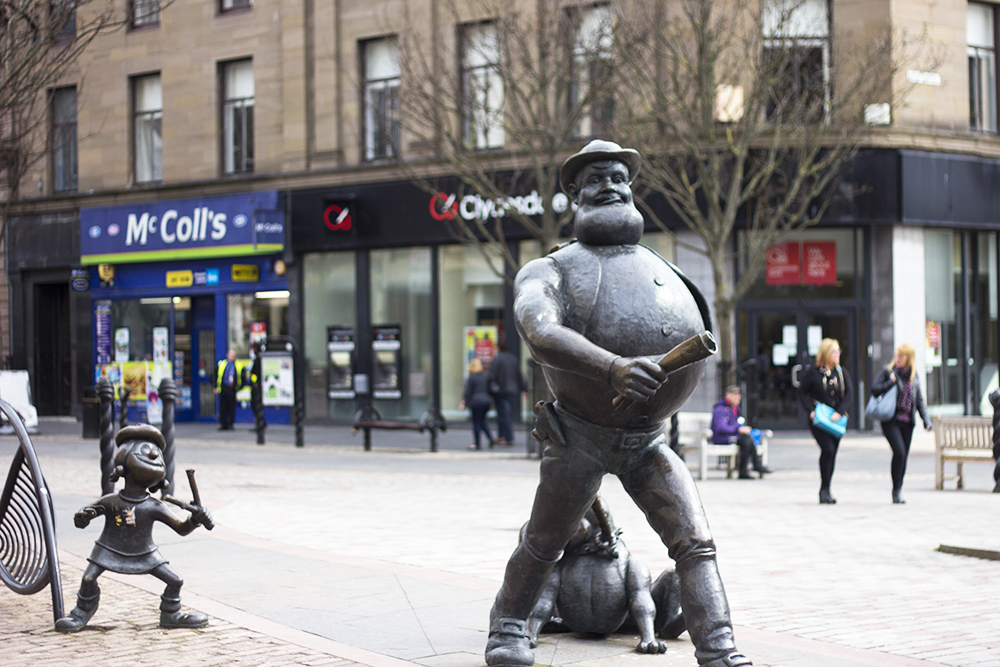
{"x": 223, "y": 226}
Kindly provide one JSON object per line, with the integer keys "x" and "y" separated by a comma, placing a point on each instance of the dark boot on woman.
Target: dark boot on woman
{"x": 897, "y": 497}
{"x": 825, "y": 498}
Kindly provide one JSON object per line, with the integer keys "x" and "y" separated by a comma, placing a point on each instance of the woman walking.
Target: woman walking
{"x": 829, "y": 383}
{"x": 901, "y": 373}
{"x": 477, "y": 399}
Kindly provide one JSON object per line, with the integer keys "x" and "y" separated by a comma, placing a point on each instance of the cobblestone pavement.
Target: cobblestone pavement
{"x": 329, "y": 553}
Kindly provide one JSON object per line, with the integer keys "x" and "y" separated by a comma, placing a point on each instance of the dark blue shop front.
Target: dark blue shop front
{"x": 176, "y": 284}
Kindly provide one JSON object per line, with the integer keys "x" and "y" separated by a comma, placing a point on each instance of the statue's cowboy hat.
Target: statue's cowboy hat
{"x": 596, "y": 151}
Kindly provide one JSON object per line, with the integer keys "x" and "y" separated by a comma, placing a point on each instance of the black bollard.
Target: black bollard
{"x": 106, "y": 428}
{"x": 995, "y": 402}
{"x": 168, "y": 395}
{"x": 123, "y": 394}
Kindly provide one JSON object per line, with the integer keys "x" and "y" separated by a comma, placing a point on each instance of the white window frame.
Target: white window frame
{"x": 147, "y": 102}
{"x": 380, "y": 67}
{"x": 803, "y": 25}
{"x": 981, "y": 49}
{"x": 482, "y": 87}
{"x": 65, "y": 161}
{"x": 592, "y": 49}
{"x": 238, "y": 91}
{"x": 145, "y": 13}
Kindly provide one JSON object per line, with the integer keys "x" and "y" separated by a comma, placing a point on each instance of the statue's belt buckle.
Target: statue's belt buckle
{"x": 634, "y": 441}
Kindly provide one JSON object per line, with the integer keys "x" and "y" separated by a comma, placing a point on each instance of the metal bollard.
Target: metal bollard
{"x": 168, "y": 394}
{"x": 106, "y": 428}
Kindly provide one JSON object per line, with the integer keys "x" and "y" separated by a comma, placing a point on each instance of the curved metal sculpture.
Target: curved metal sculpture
{"x": 28, "y": 555}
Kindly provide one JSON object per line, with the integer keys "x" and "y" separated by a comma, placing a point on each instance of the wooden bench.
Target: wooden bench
{"x": 370, "y": 418}
{"x": 962, "y": 440}
{"x": 696, "y": 437}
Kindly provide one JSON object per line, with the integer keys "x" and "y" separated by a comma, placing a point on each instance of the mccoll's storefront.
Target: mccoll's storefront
{"x": 175, "y": 284}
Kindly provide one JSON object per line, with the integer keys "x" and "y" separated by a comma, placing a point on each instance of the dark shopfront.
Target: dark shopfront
{"x": 392, "y": 307}
{"x": 175, "y": 284}
{"x": 912, "y": 258}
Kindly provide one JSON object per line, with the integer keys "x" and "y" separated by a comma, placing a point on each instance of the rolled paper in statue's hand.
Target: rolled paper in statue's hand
{"x": 694, "y": 349}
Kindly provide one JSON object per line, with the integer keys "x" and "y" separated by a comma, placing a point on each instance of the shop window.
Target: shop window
{"x": 257, "y": 314}
{"x": 329, "y": 293}
{"x": 942, "y": 291}
{"x": 982, "y": 67}
{"x": 482, "y": 87}
{"x": 144, "y": 13}
{"x": 797, "y": 58}
{"x": 381, "y": 98}
{"x": 814, "y": 264}
{"x": 64, "y": 155}
{"x": 401, "y": 296}
{"x": 593, "y": 71}
{"x": 237, "y": 117}
{"x": 472, "y": 295}
{"x": 147, "y": 102}
{"x": 984, "y": 292}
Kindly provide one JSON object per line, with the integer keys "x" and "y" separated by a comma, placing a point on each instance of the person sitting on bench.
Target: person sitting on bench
{"x": 728, "y": 426}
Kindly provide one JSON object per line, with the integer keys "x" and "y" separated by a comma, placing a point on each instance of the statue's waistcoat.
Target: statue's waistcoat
{"x": 632, "y": 302}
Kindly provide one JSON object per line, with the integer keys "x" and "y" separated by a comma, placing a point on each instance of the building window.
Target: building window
{"x": 482, "y": 87}
{"x": 593, "y": 71}
{"x": 62, "y": 19}
{"x": 148, "y": 103}
{"x": 237, "y": 112}
{"x": 982, "y": 68}
{"x": 797, "y": 57}
{"x": 230, "y": 5}
{"x": 381, "y": 98}
{"x": 64, "y": 160}
{"x": 145, "y": 13}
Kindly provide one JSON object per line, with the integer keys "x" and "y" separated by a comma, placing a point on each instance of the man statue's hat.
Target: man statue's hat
{"x": 596, "y": 151}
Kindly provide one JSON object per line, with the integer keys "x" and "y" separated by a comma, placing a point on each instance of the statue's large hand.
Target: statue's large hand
{"x": 636, "y": 378}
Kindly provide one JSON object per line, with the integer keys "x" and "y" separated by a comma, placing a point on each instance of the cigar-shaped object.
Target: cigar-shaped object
{"x": 695, "y": 348}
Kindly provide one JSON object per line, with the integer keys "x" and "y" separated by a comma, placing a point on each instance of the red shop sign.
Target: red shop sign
{"x": 819, "y": 266}
{"x": 783, "y": 263}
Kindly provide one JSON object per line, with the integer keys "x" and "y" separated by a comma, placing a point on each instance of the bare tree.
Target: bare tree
{"x": 508, "y": 90}
{"x": 40, "y": 44}
{"x": 747, "y": 114}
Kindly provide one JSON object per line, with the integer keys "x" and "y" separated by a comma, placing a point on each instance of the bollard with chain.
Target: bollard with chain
{"x": 168, "y": 395}
{"x": 106, "y": 428}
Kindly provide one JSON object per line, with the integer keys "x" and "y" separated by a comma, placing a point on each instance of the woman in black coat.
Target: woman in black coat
{"x": 826, "y": 382}
{"x": 478, "y": 399}
{"x": 902, "y": 373}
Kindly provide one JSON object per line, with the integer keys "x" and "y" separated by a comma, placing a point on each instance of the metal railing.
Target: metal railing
{"x": 29, "y": 559}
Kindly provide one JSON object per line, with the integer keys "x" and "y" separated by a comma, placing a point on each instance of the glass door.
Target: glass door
{"x": 786, "y": 343}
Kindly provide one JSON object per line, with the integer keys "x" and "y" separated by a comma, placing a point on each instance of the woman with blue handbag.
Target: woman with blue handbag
{"x": 901, "y": 374}
{"x": 826, "y": 392}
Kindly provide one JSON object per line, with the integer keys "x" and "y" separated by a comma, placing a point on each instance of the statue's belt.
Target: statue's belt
{"x": 608, "y": 436}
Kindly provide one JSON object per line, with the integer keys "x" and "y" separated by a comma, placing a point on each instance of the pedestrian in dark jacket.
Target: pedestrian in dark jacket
{"x": 728, "y": 426}
{"x": 477, "y": 399}
{"x": 505, "y": 372}
{"x": 829, "y": 383}
{"x": 901, "y": 372}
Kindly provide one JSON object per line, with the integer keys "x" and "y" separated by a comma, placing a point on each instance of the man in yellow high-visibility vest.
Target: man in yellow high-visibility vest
{"x": 227, "y": 379}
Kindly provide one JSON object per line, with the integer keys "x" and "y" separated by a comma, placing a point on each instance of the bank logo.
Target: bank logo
{"x": 113, "y": 229}
{"x": 94, "y": 232}
{"x": 239, "y": 221}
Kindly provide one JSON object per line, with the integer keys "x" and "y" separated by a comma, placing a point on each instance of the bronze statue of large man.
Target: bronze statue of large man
{"x": 595, "y": 314}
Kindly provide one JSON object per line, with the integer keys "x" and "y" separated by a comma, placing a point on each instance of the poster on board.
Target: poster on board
{"x": 278, "y": 379}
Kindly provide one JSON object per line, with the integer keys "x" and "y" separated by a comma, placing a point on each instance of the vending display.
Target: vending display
{"x": 340, "y": 352}
{"x": 387, "y": 361}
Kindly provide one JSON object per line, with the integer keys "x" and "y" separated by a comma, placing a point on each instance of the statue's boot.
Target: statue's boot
{"x": 171, "y": 615}
{"x": 509, "y": 642}
{"x": 81, "y": 613}
{"x": 706, "y": 612}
